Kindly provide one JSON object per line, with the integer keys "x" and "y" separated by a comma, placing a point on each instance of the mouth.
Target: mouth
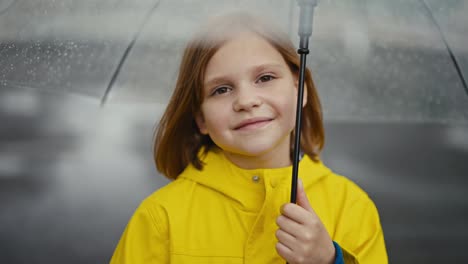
{"x": 253, "y": 123}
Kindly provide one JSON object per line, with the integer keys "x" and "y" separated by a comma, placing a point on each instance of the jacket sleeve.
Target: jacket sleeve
{"x": 364, "y": 243}
{"x": 145, "y": 239}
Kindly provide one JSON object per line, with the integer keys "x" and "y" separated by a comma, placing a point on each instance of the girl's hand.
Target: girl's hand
{"x": 302, "y": 238}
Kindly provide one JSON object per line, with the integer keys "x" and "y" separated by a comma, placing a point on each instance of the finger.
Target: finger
{"x": 284, "y": 251}
{"x": 285, "y": 238}
{"x": 296, "y": 213}
{"x": 301, "y": 198}
{"x": 289, "y": 226}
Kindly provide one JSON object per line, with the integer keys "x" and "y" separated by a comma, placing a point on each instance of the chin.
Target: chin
{"x": 255, "y": 147}
{"x": 254, "y": 150}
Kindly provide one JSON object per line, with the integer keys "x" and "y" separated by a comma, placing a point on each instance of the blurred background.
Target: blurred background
{"x": 83, "y": 84}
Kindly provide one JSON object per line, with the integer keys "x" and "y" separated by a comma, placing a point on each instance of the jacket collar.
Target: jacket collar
{"x": 247, "y": 187}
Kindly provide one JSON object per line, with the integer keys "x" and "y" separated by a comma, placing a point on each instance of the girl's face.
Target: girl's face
{"x": 249, "y": 102}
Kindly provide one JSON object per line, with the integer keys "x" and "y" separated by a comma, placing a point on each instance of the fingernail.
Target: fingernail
{"x": 300, "y": 183}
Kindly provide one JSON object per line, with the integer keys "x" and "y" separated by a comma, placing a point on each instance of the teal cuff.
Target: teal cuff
{"x": 338, "y": 254}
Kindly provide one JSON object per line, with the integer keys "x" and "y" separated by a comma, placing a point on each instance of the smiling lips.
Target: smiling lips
{"x": 252, "y": 123}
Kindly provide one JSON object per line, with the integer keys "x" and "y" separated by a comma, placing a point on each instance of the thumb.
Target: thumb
{"x": 301, "y": 197}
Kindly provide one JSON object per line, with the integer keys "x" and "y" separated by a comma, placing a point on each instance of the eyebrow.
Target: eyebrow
{"x": 257, "y": 68}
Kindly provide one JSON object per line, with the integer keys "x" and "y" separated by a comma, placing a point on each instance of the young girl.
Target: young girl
{"x": 225, "y": 139}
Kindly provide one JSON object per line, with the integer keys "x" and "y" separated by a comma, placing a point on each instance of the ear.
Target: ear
{"x": 296, "y": 84}
{"x": 201, "y": 123}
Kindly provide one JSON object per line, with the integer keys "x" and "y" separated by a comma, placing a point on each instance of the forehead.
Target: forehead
{"x": 241, "y": 52}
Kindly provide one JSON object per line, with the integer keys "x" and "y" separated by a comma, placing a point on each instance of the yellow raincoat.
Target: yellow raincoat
{"x": 225, "y": 214}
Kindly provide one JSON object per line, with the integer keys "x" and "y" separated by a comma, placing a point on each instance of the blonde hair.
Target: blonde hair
{"x": 177, "y": 139}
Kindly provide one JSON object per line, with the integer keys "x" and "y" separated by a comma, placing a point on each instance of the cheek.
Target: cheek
{"x": 289, "y": 110}
{"x": 288, "y": 105}
{"x": 214, "y": 114}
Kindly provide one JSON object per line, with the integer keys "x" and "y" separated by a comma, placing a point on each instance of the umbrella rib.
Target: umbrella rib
{"x": 447, "y": 46}
{"x": 105, "y": 97}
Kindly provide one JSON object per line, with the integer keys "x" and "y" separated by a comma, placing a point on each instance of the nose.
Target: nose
{"x": 246, "y": 99}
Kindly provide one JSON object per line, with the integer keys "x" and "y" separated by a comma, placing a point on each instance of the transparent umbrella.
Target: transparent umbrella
{"x": 372, "y": 60}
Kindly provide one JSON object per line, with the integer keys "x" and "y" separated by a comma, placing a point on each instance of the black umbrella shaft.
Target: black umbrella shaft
{"x": 297, "y": 134}
{"x": 305, "y": 31}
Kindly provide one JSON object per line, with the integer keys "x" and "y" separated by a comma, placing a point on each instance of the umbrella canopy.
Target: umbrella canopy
{"x": 372, "y": 60}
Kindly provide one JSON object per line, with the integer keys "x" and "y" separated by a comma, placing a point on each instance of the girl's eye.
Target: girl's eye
{"x": 266, "y": 78}
{"x": 221, "y": 90}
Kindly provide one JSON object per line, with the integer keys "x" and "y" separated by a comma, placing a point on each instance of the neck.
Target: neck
{"x": 272, "y": 159}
